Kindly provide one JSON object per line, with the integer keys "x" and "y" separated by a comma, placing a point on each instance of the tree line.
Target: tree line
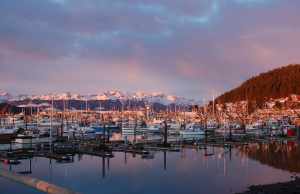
{"x": 274, "y": 84}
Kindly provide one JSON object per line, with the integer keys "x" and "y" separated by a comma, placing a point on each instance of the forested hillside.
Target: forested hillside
{"x": 280, "y": 82}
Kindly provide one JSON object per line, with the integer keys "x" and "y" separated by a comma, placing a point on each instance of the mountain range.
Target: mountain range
{"x": 112, "y": 96}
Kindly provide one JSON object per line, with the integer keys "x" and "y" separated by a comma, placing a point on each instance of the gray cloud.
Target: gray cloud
{"x": 178, "y": 47}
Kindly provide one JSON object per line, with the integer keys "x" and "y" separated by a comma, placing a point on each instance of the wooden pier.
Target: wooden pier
{"x": 9, "y": 159}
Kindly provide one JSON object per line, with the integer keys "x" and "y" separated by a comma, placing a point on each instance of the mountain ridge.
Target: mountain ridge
{"x": 277, "y": 83}
{"x": 155, "y": 97}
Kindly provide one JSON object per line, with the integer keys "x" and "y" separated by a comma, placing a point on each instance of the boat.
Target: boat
{"x": 132, "y": 130}
{"x": 47, "y": 123}
{"x": 88, "y": 133}
{"x": 193, "y": 132}
{"x": 34, "y": 137}
{"x": 152, "y": 140}
{"x": 9, "y": 132}
{"x": 155, "y": 128}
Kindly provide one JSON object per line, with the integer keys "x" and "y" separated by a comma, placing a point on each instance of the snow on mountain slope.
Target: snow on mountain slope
{"x": 154, "y": 97}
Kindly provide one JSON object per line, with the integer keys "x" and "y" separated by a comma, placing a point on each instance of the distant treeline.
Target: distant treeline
{"x": 280, "y": 82}
{"x": 12, "y": 109}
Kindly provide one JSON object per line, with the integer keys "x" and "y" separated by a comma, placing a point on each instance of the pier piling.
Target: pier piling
{"x": 103, "y": 143}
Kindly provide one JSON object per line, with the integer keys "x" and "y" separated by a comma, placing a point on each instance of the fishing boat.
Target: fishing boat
{"x": 9, "y": 132}
{"x": 193, "y": 132}
{"x": 132, "y": 130}
{"x": 155, "y": 128}
{"x": 34, "y": 137}
{"x": 88, "y": 133}
{"x": 47, "y": 123}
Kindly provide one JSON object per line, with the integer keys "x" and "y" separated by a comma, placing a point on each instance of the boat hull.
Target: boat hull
{"x": 35, "y": 140}
{"x": 192, "y": 132}
{"x": 8, "y": 136}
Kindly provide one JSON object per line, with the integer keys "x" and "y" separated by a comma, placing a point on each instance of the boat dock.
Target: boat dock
{"x": 9, "y": 160}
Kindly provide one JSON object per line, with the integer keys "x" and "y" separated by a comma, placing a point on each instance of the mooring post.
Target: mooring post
{"x": 108, "y": 128}
{"x": 61, "y": 127}
{"x": 142, "y": 122}
{"x": 103, "y": 142}
{"x": 121, "y": 121}
{"x": 181, "y": 140}
{"x": 244, "y": 124}
{"x": 165, "y": 135}
{"x": 125, "y": 143}
{"x": 282, "y": 127}
{"x": 262, "y": 123}
{"x": 230, "y": 129}
{"x": 25, "y": 122}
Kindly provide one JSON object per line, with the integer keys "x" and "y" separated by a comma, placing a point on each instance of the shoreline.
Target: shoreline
{"x": 280, "y": 187}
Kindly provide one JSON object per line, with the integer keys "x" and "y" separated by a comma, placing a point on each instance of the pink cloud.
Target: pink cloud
{"x": 161, "y": 21}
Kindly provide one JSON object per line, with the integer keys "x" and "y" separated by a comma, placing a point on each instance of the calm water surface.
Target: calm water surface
{"x": 215, "y": 170}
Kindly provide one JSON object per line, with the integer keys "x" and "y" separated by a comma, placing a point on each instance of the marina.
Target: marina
{"x": 179, "y": 138}
{"x": 150, "y": 97}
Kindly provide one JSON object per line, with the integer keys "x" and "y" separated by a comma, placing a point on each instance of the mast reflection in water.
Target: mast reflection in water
{"x": 211, "y": 170}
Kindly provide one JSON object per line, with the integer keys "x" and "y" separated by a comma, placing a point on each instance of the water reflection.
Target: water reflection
{"x": 210, "y": 170}
{"x": 284, "y": 156}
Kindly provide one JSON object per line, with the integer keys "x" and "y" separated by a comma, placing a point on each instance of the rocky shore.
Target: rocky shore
{"x": 292, "y": 187}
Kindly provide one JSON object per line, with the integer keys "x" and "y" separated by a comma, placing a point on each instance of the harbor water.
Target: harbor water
{"x": 211, "y": 170}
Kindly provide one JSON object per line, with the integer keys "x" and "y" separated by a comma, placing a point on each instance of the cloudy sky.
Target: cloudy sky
{"x": 190, "y": 48}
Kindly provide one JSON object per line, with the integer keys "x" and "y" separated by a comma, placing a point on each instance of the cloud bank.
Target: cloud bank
{"x": 188, "y": 48}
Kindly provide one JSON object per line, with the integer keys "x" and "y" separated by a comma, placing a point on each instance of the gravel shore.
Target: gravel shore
{"x": 277, "y": 188}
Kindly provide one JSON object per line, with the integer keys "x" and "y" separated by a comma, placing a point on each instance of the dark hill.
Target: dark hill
{"x": 280, "y": 82}
{"x": 12, "y": 109}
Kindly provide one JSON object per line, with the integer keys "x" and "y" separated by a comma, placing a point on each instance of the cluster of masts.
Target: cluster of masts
{"x": 264, "y": 119}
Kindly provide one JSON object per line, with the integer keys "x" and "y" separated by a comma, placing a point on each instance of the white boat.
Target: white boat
{"x": 88, "y": 133}
{"x": 9, "y": 129}
{"x": 192, "y": 132}
{"x": 34, "y": 137}
{"x": 155, "y": 128}
{"x": 46, "y": 123}
{"x": 193, "y": 136}
{"x": 132, "y": 130}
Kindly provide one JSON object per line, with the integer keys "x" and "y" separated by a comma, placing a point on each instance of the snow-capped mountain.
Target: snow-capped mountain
{"x": 114, "y": 95}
